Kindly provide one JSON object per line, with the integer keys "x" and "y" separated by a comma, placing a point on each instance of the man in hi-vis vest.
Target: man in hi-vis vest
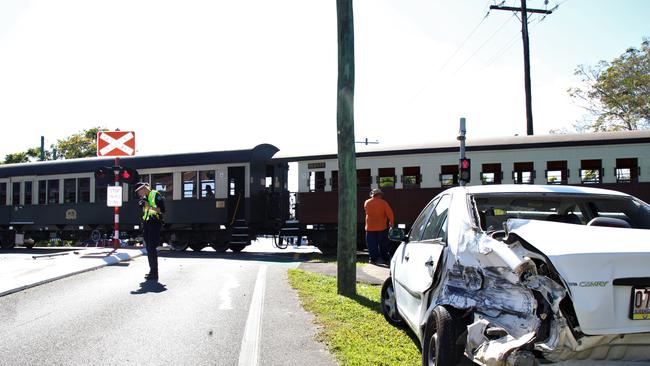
{"x": 153, "y": 206}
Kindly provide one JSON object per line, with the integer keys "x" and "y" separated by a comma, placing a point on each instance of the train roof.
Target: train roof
{"x": 494, "y": 143}
{"x": 71, "y": 166}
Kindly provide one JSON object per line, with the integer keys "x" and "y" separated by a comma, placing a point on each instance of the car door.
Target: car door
{"x": 419, "y": 258}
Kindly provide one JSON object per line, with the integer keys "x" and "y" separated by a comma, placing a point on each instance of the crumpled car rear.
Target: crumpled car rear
{"x": 555, "y": 291}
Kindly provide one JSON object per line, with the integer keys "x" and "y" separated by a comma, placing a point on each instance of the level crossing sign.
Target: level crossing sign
{"x": 115, "y": 143}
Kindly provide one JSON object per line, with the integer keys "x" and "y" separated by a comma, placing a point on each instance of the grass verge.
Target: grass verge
{"x": 354, "y": 329}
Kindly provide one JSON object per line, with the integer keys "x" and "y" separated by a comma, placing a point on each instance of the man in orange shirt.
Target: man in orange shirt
{"x": 378, "y": 216}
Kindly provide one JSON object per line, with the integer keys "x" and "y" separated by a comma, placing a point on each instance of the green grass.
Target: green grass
{"x": 354, "y": 329}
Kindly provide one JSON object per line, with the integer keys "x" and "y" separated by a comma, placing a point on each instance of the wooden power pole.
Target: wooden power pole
{"x": 524, "y": 34}
{"x": 347, "y": 219}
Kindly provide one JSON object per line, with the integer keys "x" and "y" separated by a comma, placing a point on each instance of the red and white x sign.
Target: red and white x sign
{"x": 115, "y": 143}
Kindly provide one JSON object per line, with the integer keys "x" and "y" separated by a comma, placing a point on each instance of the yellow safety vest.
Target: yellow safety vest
{"x": 148, "y": 212}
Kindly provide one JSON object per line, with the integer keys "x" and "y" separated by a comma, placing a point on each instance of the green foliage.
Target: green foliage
{"x": 617, "y": 93}
{"x": 353, "y": 327}
{"x": 79, "y": 145}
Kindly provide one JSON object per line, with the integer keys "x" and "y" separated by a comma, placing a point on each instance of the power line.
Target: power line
{"x": 465, "y": 40}
{"x": 484, "y": 43}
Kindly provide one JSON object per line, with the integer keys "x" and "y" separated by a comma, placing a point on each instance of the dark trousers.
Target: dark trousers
{"x": 151, "y": 234}
{"x": 377, "y": 242}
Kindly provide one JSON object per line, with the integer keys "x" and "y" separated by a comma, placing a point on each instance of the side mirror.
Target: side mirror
{"x": 396, "y": 234}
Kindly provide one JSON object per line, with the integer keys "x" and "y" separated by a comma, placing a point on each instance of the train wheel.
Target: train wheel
{"x": 220, "y": 247}
{"x": 197, "y": 246}
{"x": 5, "y": 243}
{"x": 178, "y": 246}
{"x": 237, "y": 247}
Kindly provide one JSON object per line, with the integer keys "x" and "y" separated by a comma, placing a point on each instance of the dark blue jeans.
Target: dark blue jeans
{"x": 377, "y": 242}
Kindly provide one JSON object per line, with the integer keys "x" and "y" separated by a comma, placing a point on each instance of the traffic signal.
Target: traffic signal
{"x": 464, "y": 168}
{"x": 129, "y": 175}
{"x": 104, "y": 175}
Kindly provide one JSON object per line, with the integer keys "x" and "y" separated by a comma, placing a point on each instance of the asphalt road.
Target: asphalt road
{"x": 207, "y": 309}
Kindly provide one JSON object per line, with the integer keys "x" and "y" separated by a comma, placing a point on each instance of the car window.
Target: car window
{"x": 437, "y": 220}
{"x": 496, "y": 208}
{"x": 420, "y": 223}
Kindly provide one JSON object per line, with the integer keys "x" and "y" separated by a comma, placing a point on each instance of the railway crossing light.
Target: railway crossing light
{"x": 464, "y": 168}
{"x": 129, "y": 175}
{"x": 104, "y": 175}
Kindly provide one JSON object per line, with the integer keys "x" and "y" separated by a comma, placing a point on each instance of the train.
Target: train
{"x": 61, "y": 199}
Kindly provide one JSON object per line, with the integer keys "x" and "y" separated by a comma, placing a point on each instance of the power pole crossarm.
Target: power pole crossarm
{"x": 539, "y": 11}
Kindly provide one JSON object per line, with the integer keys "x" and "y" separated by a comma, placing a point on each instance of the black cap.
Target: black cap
{"x": 140, "y": 185}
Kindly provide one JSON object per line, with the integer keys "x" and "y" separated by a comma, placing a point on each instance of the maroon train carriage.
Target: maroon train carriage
{"x": 411, "y": 175}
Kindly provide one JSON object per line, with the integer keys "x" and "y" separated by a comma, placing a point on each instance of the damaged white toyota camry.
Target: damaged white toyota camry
{"x": 520, "y": 275}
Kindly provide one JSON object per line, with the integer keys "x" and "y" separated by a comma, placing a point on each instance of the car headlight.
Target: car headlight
{"x": 473, "y": 278}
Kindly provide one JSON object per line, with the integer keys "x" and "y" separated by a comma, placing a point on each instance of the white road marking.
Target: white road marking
{"x": 225, "y": 295}
{"x": 250, "y": 345}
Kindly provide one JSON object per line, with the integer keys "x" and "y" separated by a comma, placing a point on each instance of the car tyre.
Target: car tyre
{"x": 389, "y": 304}
{"x": 440, "y": 346}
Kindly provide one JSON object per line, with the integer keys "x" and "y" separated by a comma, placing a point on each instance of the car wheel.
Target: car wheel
{"x": 389, "y": 303}
{"x": 440, "y": 346}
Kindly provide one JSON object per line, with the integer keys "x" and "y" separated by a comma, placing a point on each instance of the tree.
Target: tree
{"x": 80, "y": 145}
{"x": 616, "y": 94}
{"x": 347, "y": 216}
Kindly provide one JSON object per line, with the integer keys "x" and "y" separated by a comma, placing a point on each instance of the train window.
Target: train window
{"x": 15, "y": 194}
{"x": 448, "y": 175}
{"x": 3, "y": 194}
{"x": 29, "y": 187}
{"x": 70, "y": 190}
{"x": 316, "y": 181}
{"x": 84, "y": 189}
{"x": 334, "y": 181}
{"x": 591, "y": 171}
{"x": 626, "y": 170}
{"x": 42, "y": 192}
{"x": 208, "y": 185}
{"x": 100, "y": 192}
{"x": 491, "y": 173}
{"x": 364, "y": 178}
{"x": 524, "y": 173}
{"x": 189, "y": 185}
{"x": 557, "y": 172}
{"x": 411, "y": 177}
{"x": 163, "y": 183}
{"x": 386, "y": 178}
{"x": 53, "y": 191}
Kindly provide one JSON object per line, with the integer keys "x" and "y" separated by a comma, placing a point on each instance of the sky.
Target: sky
{"x": 207, "y": 75}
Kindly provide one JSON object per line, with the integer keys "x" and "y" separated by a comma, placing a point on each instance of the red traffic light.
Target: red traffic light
{"x": 464, "y": 163}
{"x": 129, "y": 175}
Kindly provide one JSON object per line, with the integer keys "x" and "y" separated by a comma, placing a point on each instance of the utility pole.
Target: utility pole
{"x": 524, "y": 34}
{"x": 347, "y": 216}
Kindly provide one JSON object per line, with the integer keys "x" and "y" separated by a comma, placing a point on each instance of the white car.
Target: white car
{"x": 522, "y": 274}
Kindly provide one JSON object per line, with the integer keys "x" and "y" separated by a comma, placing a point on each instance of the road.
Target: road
{"x": 207, "y": 309}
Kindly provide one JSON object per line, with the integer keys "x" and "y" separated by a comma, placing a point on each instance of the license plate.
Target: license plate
{"x": 640, "y": 309}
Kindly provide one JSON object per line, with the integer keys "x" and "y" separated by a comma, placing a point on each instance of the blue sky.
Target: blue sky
{"x": 213, "y": 75}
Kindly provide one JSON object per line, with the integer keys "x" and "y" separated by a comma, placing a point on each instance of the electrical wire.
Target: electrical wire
{"x": 484, "y": 43}
{"x": 465, "y": 40}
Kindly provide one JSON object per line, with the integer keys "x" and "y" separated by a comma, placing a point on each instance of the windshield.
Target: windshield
{"x": 495, "y": 209}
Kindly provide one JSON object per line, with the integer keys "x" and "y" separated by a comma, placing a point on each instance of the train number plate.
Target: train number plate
{"x": 640, "y": 309}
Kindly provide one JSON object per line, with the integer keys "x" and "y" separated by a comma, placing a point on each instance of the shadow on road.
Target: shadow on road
{"x": 149, "y": 286}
